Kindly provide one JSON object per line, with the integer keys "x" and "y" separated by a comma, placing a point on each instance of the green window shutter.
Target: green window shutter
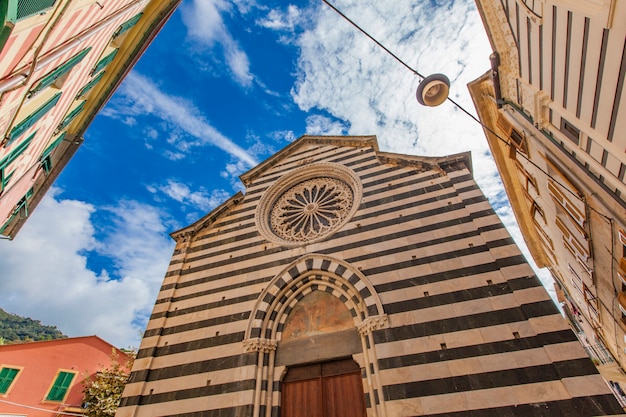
{"x": 7, "y": 224}
{"x": 53, "y": 75}
{"x": 45, "y": 158}
{"x": 5, "y": 32}
{"x": 60, "y": 387}
{"x": 95, "y": 80}
{"x": 46, "y": 164}
{"x": 127, "y": 25}
{"x": 25, "y": 124}
{"x": 104, "y": 62}
{"x": 71, "y": 116}
{"x": 4, "y": 181}
{"x": 52, "y": 146}
{"x": 15, "y": 153}
{"x": 21, "y": 9}
{"x": 7, "y": 375}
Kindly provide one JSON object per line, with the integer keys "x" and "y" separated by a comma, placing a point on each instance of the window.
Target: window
{"x": 16, "y": 152}
{"x": 46, "y": 156}
{"x": 7, "y": 376}
{"x": 21, "y": 209}
{"x": 71, "y": 116}
{"x": 127, "y": 25}
{"x": 33, "y": 118}
{"x": 518, "y": 142}
{"x": 87, "y": 87}
{"x": 61, "y": 386}
{"x": 571, "y": 243}
{"x": 570, "y": 206}
{"x": 104, "y": 62}
{"x": 11, "y": 11}
{"x": 622, "y": 239}
{"x": 528, "y": 181}
{"x": 21, "y": 9}
{"x": 570, "y": 131}
{"x": 57, "y": 75}
{"x": 4, "y": 179}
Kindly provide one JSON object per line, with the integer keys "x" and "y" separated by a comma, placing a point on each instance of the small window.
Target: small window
{"x": 61, "y": 386}
{"x": 7, "y": 376}
{"x": 46, "y": 156}
{"x": 21, "y": 9}
{"x": 4, "y": 179}
{"x": 518, "y": 142}
{"x": 104, "y": 62}
{"x": 87, "y": 87}
{"x": 58, "y": 75}
{"x": 34, "y": 117}
{"x": 570, "y": 131}
{"x": 16, "y": 152}
{"x": 622, "y": 239}
{"x": 71, "y": 116}
{"x": 127, "y": 25}
{"x": 20, "y": 209}
{"x": 537, "y": 213}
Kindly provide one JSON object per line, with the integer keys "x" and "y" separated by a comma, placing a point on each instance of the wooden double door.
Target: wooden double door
{"x": 329, "y": 389}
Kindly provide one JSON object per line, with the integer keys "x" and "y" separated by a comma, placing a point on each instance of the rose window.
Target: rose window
{"x": 311, "y": 209}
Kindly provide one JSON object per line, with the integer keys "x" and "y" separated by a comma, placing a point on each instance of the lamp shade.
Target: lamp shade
{"x": 433, "y": 90}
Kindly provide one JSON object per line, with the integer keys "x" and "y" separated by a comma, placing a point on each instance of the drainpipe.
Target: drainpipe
{"x": 494, "y": 58}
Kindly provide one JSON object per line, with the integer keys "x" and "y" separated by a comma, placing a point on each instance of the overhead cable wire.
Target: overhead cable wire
{"x": 457, "y": 105}
{"x": 42, "y": 409}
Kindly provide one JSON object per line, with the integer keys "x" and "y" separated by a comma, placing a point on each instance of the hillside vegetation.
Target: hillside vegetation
{"x": 15, "y": 329}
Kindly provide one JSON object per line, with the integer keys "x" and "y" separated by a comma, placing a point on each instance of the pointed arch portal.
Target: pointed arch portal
{"x": 317, "y": 312}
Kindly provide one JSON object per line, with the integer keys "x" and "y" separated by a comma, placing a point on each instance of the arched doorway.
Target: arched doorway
{"x": 339, "y": 310}
{"x": 328, "y": 389}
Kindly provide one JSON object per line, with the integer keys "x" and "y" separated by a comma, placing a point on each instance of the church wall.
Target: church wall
{"x": 466, "y": 328}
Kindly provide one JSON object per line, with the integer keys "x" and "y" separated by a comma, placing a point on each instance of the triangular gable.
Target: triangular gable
{"x": 420, "y": 162}
{"x": 348, "y": 141}
{"x": 210, "y": 218}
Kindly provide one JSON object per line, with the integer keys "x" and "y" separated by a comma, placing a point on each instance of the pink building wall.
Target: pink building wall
{"x": 40, "y": 363}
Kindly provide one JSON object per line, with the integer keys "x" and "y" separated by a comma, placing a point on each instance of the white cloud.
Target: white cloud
{"x": 322, "y": 125}
{"x": 140, "y": 96}
{"x": 201, "y": 199}
{"x": 60, "y": 289}
{"x": 283, "y": 135}
{"x": 205, "y": 25}
{"x": 282, "y": 20}
{"x": 345, "y": 74}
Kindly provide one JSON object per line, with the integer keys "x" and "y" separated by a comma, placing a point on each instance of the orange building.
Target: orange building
{"x": 554, "y": 110}
{"x": 60, "y": 60}
{"x": 42, "y": 379}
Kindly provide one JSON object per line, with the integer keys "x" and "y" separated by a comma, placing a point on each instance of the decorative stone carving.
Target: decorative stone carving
{"x": 308, "y": 204}
{"x": 501, "y": 35}
{"x": 259, "y": 345}
{"x": 311, "y": 209}
{"x": 373, "y": 323}
{"x": 535, "y": 103}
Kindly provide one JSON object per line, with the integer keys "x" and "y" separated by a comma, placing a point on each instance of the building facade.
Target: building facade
{"x": 60, "y": 61}
{"x": 45, "y": 379}
{"x": 351, "y": 282}
{"x": 554, "y": 111}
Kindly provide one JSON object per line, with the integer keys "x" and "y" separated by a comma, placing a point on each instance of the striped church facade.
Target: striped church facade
{"x": 416, "y": 291}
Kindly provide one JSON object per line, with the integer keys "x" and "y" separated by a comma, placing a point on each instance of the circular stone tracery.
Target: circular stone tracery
{"x": 308, "y": 204}
{"x": 311, "y": 209}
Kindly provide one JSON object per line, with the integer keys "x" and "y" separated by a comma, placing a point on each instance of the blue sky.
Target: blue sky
{"x": 224, "y": 85}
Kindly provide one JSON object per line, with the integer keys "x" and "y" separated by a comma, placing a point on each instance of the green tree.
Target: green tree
{"x": 17, "y": 329}
{"x": 103, "y": 390}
